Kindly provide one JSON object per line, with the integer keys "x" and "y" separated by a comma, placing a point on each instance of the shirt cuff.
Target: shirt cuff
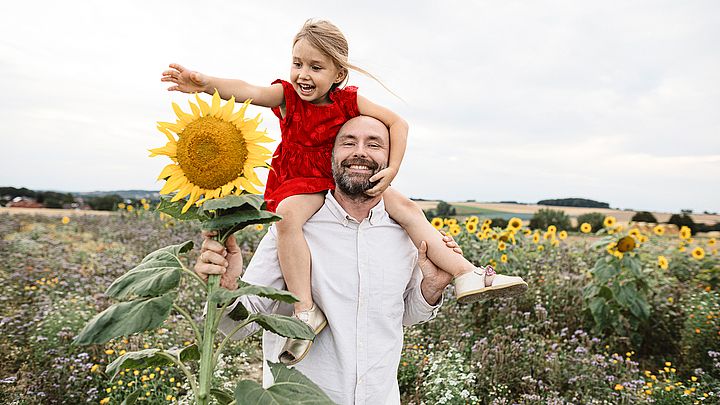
{"x": 424, "y": 305}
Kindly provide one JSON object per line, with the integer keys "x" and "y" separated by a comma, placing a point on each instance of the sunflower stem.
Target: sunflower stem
{"x": 206, "y": 354}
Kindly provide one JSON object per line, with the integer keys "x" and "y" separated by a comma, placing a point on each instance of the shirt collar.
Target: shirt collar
{"x": 376, "y": 213}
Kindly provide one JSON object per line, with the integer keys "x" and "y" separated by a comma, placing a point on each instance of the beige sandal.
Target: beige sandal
{"x": 295, "y": 350}
{"x": 484, "y": 283}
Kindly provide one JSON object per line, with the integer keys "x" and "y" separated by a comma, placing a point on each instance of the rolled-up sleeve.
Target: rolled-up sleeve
{"x": 263, "y": 270}
{"x": 417, "y": 309}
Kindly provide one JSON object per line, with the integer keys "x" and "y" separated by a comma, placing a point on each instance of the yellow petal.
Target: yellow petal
{"x": 173, "y": 183}
{"x": 167, "y": 133}
{"x": 248, "y": 186}
{"x": 176, "y": 127}
{"x": 257, "y": 149}
{"x": 182, "y": 116}
{"x": 215, "y": 106}
{"x": 194, "y": 194}
{"x": 170, "y": 149}
{"x": 204, "y": 107}
{"x": 237, "y": 118}
{"x": 227, "y": 110}
{"x": 195, "y": 109}
{"x": 168, "y": 171}
{"x": 227, "y": 189}
{"x": 185, "y": 189}
{"x": 249, "y": 173}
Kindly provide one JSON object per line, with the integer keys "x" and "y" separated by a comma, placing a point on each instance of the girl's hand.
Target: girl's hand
{"x": 187, "y": 81}
{"x": 383, "y": 177}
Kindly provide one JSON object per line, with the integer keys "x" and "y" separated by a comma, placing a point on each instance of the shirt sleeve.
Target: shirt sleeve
{"x": 290, "y": 99}
{"x": 417, "y": 309}
{"x": 263, "y": 270}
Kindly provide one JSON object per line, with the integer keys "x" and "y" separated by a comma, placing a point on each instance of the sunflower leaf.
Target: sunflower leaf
{"x": 132, "y": 398}
{"x": 158, "y": 273}
{"x": 239, "y": 220}
{"x": 243, "y": 202}
{"x": 126, "y": 318}
{"x": 174, "y": 209}
{"x": 223, "y": 295}
{"x": 221, "y": 396}
{"x": 282, "y": 325}
{"x": 290, "y": 387}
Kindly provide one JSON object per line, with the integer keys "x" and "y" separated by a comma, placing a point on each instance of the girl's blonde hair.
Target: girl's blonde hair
{"x": 328, "y": 39}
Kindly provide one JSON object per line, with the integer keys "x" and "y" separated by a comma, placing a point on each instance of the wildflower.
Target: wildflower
{"x": 619, "y": 387}
{"x": 259, "y": 227}
{"x": 555, "y": 243}
{"x": 515, "y": 224}
{"x": 136, "y": 372}
{"x": 168, "y": 397}
{"x": 540, "y": 248}
{"x": 437, "y": 223}
{"x": 685, "y": 233}
{"x": 109, "y": 351}
{"x": 504, "y": 258}
{"x": 94, "y": 368}
{"x": 693, "y": 378}
{"x": 562, "y": 235}
{"x": 501, "y": 246}
{"x": 552, "y": 229}
{"x": 65, "y": 220}
{"x": 670, "y": 300}
{"x": 121, "y": 206}
{"x": 711, "y": 242}
{"x": 697, "y": 330}
{"x": 609, "y": 221}
{"x": 172, "y": 379}
{"x": 698, "y": 253}
{"x": 659, "y": 230}
{"x": 104, "y": 401}
{"x": 662, "y": 261}
{"x": 228, "y": 167}
{"x": 536, "y": 237}
{"x": 585, "y": 227}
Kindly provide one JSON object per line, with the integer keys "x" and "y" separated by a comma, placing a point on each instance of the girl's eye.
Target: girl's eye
{"x": 316, "y": 68}
{"x": 297, "y": 64}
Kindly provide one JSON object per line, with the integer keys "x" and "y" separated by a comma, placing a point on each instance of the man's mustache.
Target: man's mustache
{"x": 359, "y": 162}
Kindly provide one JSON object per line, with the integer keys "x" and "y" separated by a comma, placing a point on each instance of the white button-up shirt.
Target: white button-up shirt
{"x": 366, "y": 280}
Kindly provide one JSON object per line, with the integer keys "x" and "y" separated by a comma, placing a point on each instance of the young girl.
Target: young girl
{"x": 312, "y": 107}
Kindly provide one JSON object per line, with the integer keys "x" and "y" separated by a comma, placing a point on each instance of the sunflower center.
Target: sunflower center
{"x": 211, "y": 152}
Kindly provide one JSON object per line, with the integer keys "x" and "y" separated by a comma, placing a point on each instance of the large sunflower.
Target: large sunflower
{"x": 216, "y": 152}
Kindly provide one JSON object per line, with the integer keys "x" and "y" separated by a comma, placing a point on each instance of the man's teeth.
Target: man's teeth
{"x": 358, "y": 167}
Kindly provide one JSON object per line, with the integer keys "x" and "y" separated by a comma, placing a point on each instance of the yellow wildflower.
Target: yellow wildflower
{"x": 619, "y": 387}
{"x": 504, "y": 258}
{"x": 501, "y": 246}
{"x": 65, "y": 220}
{"x": 259, "y": 227}
{"x": 659, "y": 230}
{"x": 662, "y": 261}
{"x": 515, "y": 224}
{"x": 585, "y": 227}
{"x": 609, "y": 221}
{"x": 698, "y": 253}
{"x": 685, "y": 233}
{"x": 562, "y": 235}
{"x": 552, "y": 229}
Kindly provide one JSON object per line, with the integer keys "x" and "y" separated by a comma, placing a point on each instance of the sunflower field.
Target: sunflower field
{"x": 627, "y": 314}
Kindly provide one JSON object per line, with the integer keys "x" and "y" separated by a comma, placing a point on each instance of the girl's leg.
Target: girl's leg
{"x": 292, "y": 248}
{"x": 471, "y": 283}
{"x": 411, "y": 217}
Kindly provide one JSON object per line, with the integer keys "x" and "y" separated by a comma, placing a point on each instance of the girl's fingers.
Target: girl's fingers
{"x": 178, "y": 67}
{"x": 212, "y": 245}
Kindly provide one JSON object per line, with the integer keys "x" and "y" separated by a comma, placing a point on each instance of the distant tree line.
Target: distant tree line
{"x": 574, "y": 202}
{"x": 53, "y": 199}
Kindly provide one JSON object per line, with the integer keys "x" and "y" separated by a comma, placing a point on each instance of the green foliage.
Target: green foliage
{"x": 617, "y": 296}
{"x": 644, "y": 216}
{"x": 681, "y": 220}
{"x": 105, "y": 202}
{"x": 499, "y": 223}
{"x": 289, "y": 387}
{"x": 546, "y": 217}
{"x": 595, "y": 219}
{"x": 700, "y": 329}
{"x": 574, "y": 202}
{"x": 52, "y": 199}
{"x": 442, "y": 210}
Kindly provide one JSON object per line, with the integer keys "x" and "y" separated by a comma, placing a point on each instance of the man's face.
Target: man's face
{"x": 361, "y": 150}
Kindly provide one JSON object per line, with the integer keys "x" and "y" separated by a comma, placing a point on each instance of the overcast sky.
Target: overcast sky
{"x": 617, "y": 101}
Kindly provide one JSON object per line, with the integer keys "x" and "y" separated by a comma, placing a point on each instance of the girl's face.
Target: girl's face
{"x": 313, "y": 73}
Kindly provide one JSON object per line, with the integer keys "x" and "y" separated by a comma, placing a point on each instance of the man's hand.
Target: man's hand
{"x": 216, "y": 259}
{"x": 383, "y": 177}
{"x": 434, "y": 280}
{"x": 185, "y": 80}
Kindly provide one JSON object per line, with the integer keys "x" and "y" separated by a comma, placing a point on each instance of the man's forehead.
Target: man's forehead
{"x": 364, "y": 127}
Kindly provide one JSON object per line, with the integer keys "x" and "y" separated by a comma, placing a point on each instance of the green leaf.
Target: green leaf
{"x": 240, "y": 220}
{"x": 291, "y": 387}
{"x": 132, "y": 398}
{"x": 239, "y": 312}
{"x": 188, "y": 353}
{"x": 158, "y": 273}
{"x": 174, "y": 209}
{"x": 126, "y": 318}
{"x": 223, "y": 397}
{"x": 245, "y": 201}
{"x": 222, "y": 295}
{"x": 136, "y": 360}
{"x": 282, "y": 325}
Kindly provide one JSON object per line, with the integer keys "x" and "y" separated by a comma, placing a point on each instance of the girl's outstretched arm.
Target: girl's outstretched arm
{"x": 398, "y": 140}
{"x": 189, "y": 81}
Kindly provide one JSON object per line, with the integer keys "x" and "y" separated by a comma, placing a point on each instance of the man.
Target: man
{"x": 367, "y": 277}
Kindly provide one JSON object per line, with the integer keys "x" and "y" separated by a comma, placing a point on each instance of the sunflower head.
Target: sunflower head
{"x": 585, "y": 227}
{"x": 455, "y": 230}
{"x": 551, "y": 229}
{"x": 504, "y": 258}
{"x": 662, "y": 262}
{"x": 471, "y": 227}
{"x": 685, "y": 232}
{"x": 562, "y": 235}
{"x": 626, "y": 244}
{"x": 659, "y": 230}
{"x": 437, "y": 223}
{"x": 215, "y": 154}
{"x": 515, "y": 224}
{"x": 698, "y": 253}
{"x": 609, "y": 221}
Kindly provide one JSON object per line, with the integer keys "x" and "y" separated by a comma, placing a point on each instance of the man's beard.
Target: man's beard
{"x": 355, "y": 185}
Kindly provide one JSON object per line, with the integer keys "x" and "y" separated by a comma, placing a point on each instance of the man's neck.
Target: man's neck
{"x": 357, "y": 207}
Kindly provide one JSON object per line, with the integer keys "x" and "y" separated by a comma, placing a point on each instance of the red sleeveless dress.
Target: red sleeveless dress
{"x": 302, "y": 161}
